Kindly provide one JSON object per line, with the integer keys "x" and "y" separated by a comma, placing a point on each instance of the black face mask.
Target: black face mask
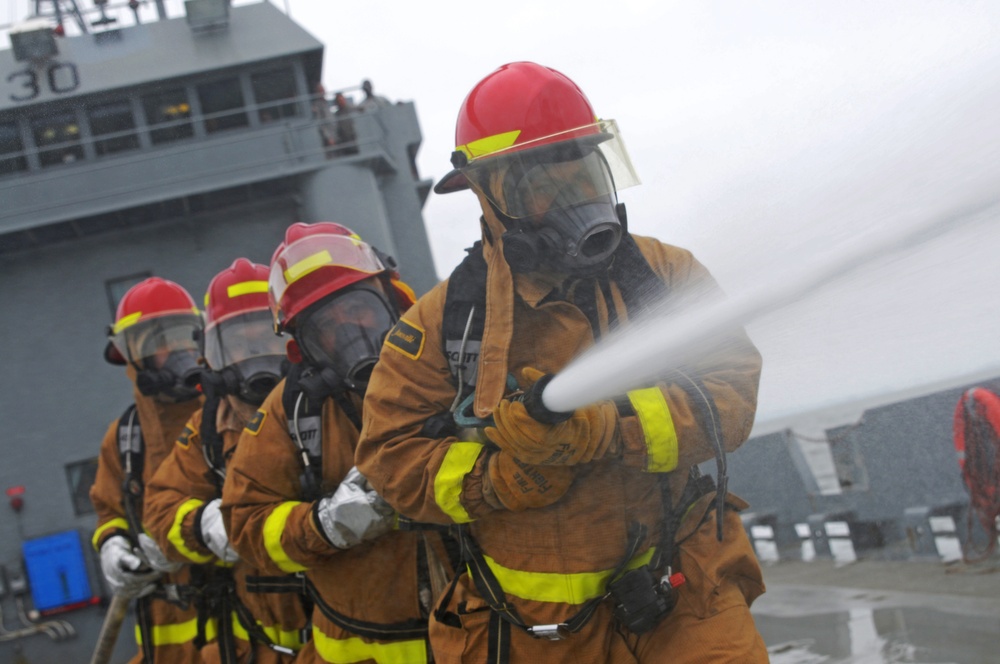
{"x": 357, "y": 346}
{"x": 176, "y": 381}
{"x": 250, "y": 380}
{"x": 573, "y": 240}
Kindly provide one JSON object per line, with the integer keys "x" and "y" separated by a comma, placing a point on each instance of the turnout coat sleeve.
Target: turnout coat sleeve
{"x": 271, "y": 526}
{"x": 106, "y": 492}
{"x": 439, "y": 479}
{"x": 405, "y": 466}
{"x": 177, "y": 492}
{"x": 724, "y": 378}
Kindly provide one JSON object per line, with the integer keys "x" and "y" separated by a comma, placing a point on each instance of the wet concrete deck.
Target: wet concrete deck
{"x": 870, "y": 612}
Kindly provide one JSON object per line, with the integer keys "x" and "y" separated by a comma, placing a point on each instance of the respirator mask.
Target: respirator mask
{"x": 165, "y": 354}
{"x": 345, "y": 333}
{"x": 247, "y": 359}
{"x": 558, "y": 200}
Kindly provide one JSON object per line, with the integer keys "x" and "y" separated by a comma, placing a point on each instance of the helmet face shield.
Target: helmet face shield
{"x": 240, "y": 338}
{"x": 583, "y": 165}
{"x": 345, "y": 332}
{"x": 149, "y": 343}
{"x": 346, "y": 259}
{"x": 165, "y": 351}
{"x": 246, "y": 346}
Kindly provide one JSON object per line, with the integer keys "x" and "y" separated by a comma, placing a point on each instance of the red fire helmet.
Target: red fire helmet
{"x": 238, "y": 324}
{"x": 240, "y": 288}
{"x": 150, "y": 300}
{"x": 318, "y": 259}
{"x": 518, "y": 106}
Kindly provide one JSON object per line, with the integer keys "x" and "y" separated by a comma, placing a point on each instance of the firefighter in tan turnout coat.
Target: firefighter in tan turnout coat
{"x": 293, "y": 499}
{"x": 589, "y": 536}
{"x": 154, "y": 336}
{"x": 244, "y": 361}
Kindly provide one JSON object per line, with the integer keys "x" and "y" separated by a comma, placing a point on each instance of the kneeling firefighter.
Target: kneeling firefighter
{"x": 588, "y": 536}
{"x": 155, "y": 336}
{"x": 293, "y": 499}
{"x": 244, "y": 360}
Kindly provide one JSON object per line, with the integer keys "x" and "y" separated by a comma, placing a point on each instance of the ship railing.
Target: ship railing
{"x": 367, "y": 127}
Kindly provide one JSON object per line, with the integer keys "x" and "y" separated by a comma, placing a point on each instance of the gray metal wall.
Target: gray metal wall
{"x": 59, "y": 395}
{"x": 907, "y": 452}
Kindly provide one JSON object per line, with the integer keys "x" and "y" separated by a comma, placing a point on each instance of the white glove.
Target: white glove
{"x": 213, "y": 533}
{"x": 354, "y": 513}
{"x": 124, "y": 570}
{"x": 155, "y": 557}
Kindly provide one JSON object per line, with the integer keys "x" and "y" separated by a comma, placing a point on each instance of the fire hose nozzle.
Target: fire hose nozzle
{"x": 536, "y": 407}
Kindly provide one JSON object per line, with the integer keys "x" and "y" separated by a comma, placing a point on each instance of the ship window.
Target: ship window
{"x": 80, "y": 475}
{"x": 57, "y": 137}
{"x": 222, "y": 105}
{"x": 272, "y": 88}
{"x": 113, "y": 127}
{"x": 116, "y": 288}
{"x": 169, "y": 115}
{"x": 11, "y": 149}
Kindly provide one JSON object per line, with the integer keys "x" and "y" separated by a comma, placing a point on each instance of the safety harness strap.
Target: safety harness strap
{"x": 211, "y": 440}
{"x": 305, "y": 417}
{"x": 144, "y": 623}
{"x": 131, "y": 450}
{"x": 415, "y": 628}
{"x": 492, "y": 592}
{"x": 466, "y": 293}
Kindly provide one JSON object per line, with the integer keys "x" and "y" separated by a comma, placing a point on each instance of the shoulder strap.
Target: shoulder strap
{"x": 639, "y": 284}
{"x": 131, "y": 451}
{"x": 305, "y": 427}
{"x": 211, "y": 440}
{"x": 466, "y": 294}
{"x": 464, "y": 318}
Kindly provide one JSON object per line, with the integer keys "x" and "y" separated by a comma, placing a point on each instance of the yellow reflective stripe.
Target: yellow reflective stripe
{"x": 574, "y": 588}
{"x": 167, "y": 635}
{"x": 354, "y": 649}
{"x": 238, "y": 631}
{"x": 177, "y": 539}
{"x": 307, "y": 265}
{"x": 247, "y": 288}
{"x": 458, "y": 462}
{"x": 490, "y": 144}
{"x": 658, "y": 427}
{"x": 126, "y": 321}
{"x": 114, "y": 523}
{"x": 280, "y": 637}
{"x": 274, "y": 526}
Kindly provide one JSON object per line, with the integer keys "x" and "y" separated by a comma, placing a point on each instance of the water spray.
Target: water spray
{"x": 635, "y": 358}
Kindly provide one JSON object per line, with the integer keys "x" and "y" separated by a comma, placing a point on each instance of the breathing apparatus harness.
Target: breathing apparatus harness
{"x": 306, "y": 390}
{"x": 640, "y": 599}
{"x": 132, "y": 455}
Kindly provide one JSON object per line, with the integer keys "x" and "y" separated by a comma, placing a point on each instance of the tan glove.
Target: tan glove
{"x": 513, "y": 485}
{"x": 586, "y": 436}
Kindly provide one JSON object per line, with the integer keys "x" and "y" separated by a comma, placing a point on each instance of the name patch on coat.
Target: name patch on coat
{"x": 407, "y": 338}
{"x": 185, "y": 438}
{"x": 254, "y": 425}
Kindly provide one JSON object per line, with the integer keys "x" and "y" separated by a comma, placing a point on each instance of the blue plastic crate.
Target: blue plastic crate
{"x": 57, "y": 572}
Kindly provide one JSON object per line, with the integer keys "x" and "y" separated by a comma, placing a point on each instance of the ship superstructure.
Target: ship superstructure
{"x": 165, "y": 148}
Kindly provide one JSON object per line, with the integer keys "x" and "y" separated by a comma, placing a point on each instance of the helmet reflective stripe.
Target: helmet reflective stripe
{"x": 247, "y": 288}
{"x": 490, "y": 144}
{"x": 127, "y": 321}
{"x": 308, "y": 264}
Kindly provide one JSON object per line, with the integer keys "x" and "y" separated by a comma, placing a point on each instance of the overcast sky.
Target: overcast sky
{"x": 766, "y": 134}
